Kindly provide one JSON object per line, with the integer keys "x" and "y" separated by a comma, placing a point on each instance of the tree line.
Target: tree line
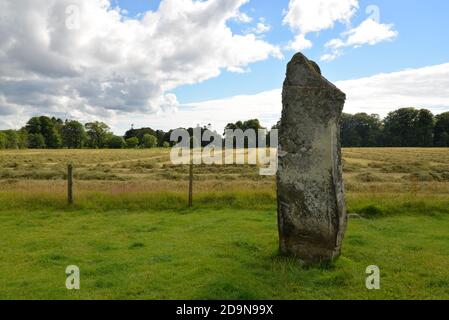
{"x": 51, "y": 133}
{"x": 406, "y": 127}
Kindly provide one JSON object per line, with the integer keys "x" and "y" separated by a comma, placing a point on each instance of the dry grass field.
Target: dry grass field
{"x": 373, "y": 171}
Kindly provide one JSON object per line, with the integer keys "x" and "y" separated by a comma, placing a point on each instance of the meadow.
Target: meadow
{"x": 133, "y": 237}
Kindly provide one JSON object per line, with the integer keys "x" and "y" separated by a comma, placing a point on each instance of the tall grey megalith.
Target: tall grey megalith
{"x": 312, "y": 214}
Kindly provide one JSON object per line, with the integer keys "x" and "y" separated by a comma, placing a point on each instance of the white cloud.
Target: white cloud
{"x": 114, "y": 64}
{"x": 328, "y": 57}
{"x": 313, "y": 16}
{"x": 261, "y": 28}
{"x": 304, "y": 16}
{"x": 264, "y": 106}
{"x": 424, "y": 87}
{"x": 307, "y": 16}
{"x": 169, "y": 103}
{"x": 335, "y": 43}
{"x": 369, "y": 32}
{"x": 238, "y": 70}
{"x": 243, "y": 17}
{"x": 299, "y": 43}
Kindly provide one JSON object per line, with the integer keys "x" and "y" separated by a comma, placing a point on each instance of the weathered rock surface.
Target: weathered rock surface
{"x": 311, "y": 207}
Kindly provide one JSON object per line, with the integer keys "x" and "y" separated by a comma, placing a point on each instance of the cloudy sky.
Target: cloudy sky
{"x": 171, "y": 63}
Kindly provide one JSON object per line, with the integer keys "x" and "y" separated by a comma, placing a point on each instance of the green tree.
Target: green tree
{"x": 73, "y": 135}
{"x": 408, "y": 127}
{"x": 253, "y": 124}
{"x": 12, "y": 139}
{"x": 22, "y": 138}
{"x": 132, "y": 143}
{"x": 360, "y": 130}
{"x": 139, "y": 134}
{"x": 166, "y": 138}
{"x": 349, "y": 135}
{"x": 2, "y": 140}
{"x": 234, "y": 126}
{"x": 399, "y": 129}
{"x": 425, "y": 127}
{"x": 149, "y": 141}
{"x": 441, "y": 132}
{"x": 116, "y": 142}
{"x": 58, "y": 123}
{"x": 48, "y": 128}
{"x": 33, "y": 125}
{"x": 36, "y": 141}
{"x": 98, "y": 134}
{"x": 160, "y": 137}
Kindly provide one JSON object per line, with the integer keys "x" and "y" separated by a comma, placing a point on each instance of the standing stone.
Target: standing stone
{"x": 311, "y": 207}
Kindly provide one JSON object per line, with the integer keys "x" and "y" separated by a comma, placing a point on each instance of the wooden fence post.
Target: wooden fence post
{"x": 70, "y": 183}
{"x": 191, "y": 184}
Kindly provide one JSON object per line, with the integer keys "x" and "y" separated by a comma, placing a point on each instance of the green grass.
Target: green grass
{"x": 101, "y": 202}
{"x": 367, "y": 205}
{"x": 212, "y": 254}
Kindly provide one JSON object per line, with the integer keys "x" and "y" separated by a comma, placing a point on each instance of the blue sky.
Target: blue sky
{"x": 422, "y": 41}
{"x": 178, "y": 63}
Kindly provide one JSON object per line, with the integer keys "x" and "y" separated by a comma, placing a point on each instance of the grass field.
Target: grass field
{"x": 133, "y": 237}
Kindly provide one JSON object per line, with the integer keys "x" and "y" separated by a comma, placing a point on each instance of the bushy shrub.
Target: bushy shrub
{"x": 149, "y": 141}
{"x": 116, "y": 142}
{"x": 370, "y": 211}
{"x": 132, "y": 143}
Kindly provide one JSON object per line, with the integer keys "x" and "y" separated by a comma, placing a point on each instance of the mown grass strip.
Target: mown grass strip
{"x": 366, "y": 205}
